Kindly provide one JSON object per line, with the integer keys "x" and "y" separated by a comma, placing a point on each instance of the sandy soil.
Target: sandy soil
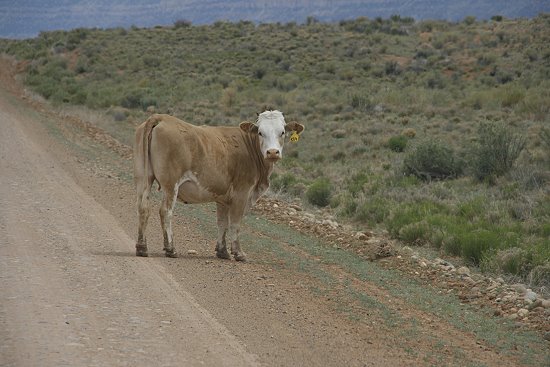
{"x": 73, "y": 293}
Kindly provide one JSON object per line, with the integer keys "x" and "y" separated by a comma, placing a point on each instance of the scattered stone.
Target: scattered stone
{"x": 520, "y": 288}
{"x": 406, "y": 250}
{"x": 191, "y": 252}
{"x": 275, "y": 206}
{"x": 523, "y": 312}
{"x": 545, "y": 303}
{"x": 530, "y": 295}
{"x": 463, "y": 270}
{"x": 498, "y": 312}
{"x": 329, "y": 222}
{"x": 512, "y": 316}
{"x": 423, "y": 264}
{"x": 547, "y": 335}
{"x": 296, "y": 207}
{"x": 470, "y": 281}
{"x": 361, "y": 236}
{"x": 500, "y": 280}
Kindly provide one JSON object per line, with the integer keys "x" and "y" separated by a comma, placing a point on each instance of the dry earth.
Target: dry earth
{"x": 72, "y": 293}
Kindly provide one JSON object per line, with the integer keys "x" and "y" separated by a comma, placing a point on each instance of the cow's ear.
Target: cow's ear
{"x": 294, "y": 126}
{"x": 248, "y": 127}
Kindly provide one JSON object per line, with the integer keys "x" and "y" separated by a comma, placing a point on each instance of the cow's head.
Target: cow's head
{"x": 271, "y": 129}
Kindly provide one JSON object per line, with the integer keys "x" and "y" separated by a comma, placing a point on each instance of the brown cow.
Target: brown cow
{"x": 197, "y": 164}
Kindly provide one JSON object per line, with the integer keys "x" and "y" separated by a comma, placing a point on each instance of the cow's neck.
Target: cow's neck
{"x": 264, "y": 168}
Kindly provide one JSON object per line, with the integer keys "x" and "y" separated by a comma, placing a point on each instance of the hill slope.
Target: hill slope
{"x": 434, "y": 131}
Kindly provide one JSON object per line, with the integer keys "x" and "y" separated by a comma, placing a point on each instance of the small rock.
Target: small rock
{"x": 497, "y": 312}
{"x": 463, "y": 270}
{"x": 530, "y": 295}
{"x": 520, "y": 288}
{"x": 500, "y": 280}
{"x": 470, "y": 281}
{"x": 406, "y": 250}
{"x": 512, "y": 316}
{"x": 523, "y": 312}
{"x": 547, "y": 335}
{"x": 545, "y": 303}
{"x": 191, "y": 252}
{"x": 296, "y": 207}
{"x": 361, "y": 236}
{"x": 423, "y": 264}
{"x": 275, "y": 206}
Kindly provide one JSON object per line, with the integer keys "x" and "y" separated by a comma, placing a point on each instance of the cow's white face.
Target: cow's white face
{"x": 271, "y": 131}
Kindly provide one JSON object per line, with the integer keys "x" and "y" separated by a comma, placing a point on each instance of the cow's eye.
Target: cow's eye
{"x": 259, "y": 133}
{"x": 283, "y": 133}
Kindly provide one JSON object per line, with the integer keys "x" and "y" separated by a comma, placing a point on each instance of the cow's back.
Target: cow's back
{"x": 216, "y": 157}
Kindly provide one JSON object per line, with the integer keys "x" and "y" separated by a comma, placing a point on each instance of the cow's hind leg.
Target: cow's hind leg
{"x": 166, "y": 210}
{"x": 144, "y": 209}
{"x": 223, "y": 223}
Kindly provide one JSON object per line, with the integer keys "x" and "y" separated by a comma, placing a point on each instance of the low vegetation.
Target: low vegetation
{"x": 435, "y": 131}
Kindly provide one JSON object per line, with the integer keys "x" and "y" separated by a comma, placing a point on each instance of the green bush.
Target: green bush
{"x": 356, "y": 182}
{"x": 431, "y": 160}
{"x": 283, "y": 182}
{"x": 496, "y": 150}
{"x": 319, "y": 192}
{"x": 398, "y": 143}
{"x": 372, "y": 211}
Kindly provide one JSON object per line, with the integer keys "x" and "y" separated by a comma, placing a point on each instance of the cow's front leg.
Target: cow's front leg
{"x": 223, "y": 223}
{"x": 235, "y": 215}
{"x": 166, "y": 209}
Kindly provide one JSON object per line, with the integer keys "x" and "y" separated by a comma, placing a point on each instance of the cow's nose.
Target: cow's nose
{"x": 273, "y": 154}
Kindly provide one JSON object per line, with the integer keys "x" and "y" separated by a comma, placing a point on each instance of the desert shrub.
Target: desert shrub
{"x": 416, "y": 233}
{"x": 356, "y": 182}
{"x": 432, "y": 160}
{"x": 474, "y": 244}
{"x": 282, "y": 182}
{"x": 319, "y": 192}
{"x": 540, "y": 276}
{"x": 496, "y": 150}
{"x": 397, "y": 143}
{"x": 511, "y": 95}
{"x": 372, "y": 210}
{"x": 361, "y": 102}
{"x": 182, "y": 23}
{"x": 512, "y": 260}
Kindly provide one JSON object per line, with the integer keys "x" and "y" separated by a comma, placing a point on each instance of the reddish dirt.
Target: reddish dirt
{"x": 73, "y": 293}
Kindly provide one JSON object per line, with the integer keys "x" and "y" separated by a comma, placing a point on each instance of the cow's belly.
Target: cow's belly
{"x": 191, "y": 191}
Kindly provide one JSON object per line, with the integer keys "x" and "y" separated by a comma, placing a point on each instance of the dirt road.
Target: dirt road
{"x": 72, "y": 293}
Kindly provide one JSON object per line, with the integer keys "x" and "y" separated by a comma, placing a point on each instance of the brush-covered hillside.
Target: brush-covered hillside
{"x": 437, "y": 132}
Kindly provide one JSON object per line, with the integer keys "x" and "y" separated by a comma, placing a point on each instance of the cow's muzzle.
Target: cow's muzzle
{"x": 273, "y": 154}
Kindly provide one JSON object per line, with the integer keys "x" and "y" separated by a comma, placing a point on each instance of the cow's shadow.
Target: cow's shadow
{"x": 182, "y": 256}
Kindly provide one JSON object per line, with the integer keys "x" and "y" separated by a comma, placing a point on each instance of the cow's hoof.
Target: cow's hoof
{"x": 240, "y": 256}
{"x": 141, "y": 251}
{"x": 223, "y": 254}
{"x": 171, "y": 253}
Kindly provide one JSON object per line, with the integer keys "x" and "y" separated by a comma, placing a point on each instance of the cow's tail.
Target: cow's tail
{"x": 143, "y": 173}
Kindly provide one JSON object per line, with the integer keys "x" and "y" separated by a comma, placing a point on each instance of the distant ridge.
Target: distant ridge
{"x": 26, "y": 18}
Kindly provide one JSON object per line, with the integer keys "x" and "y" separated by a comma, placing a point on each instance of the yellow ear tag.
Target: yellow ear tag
{"x": 294, "y": 137}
